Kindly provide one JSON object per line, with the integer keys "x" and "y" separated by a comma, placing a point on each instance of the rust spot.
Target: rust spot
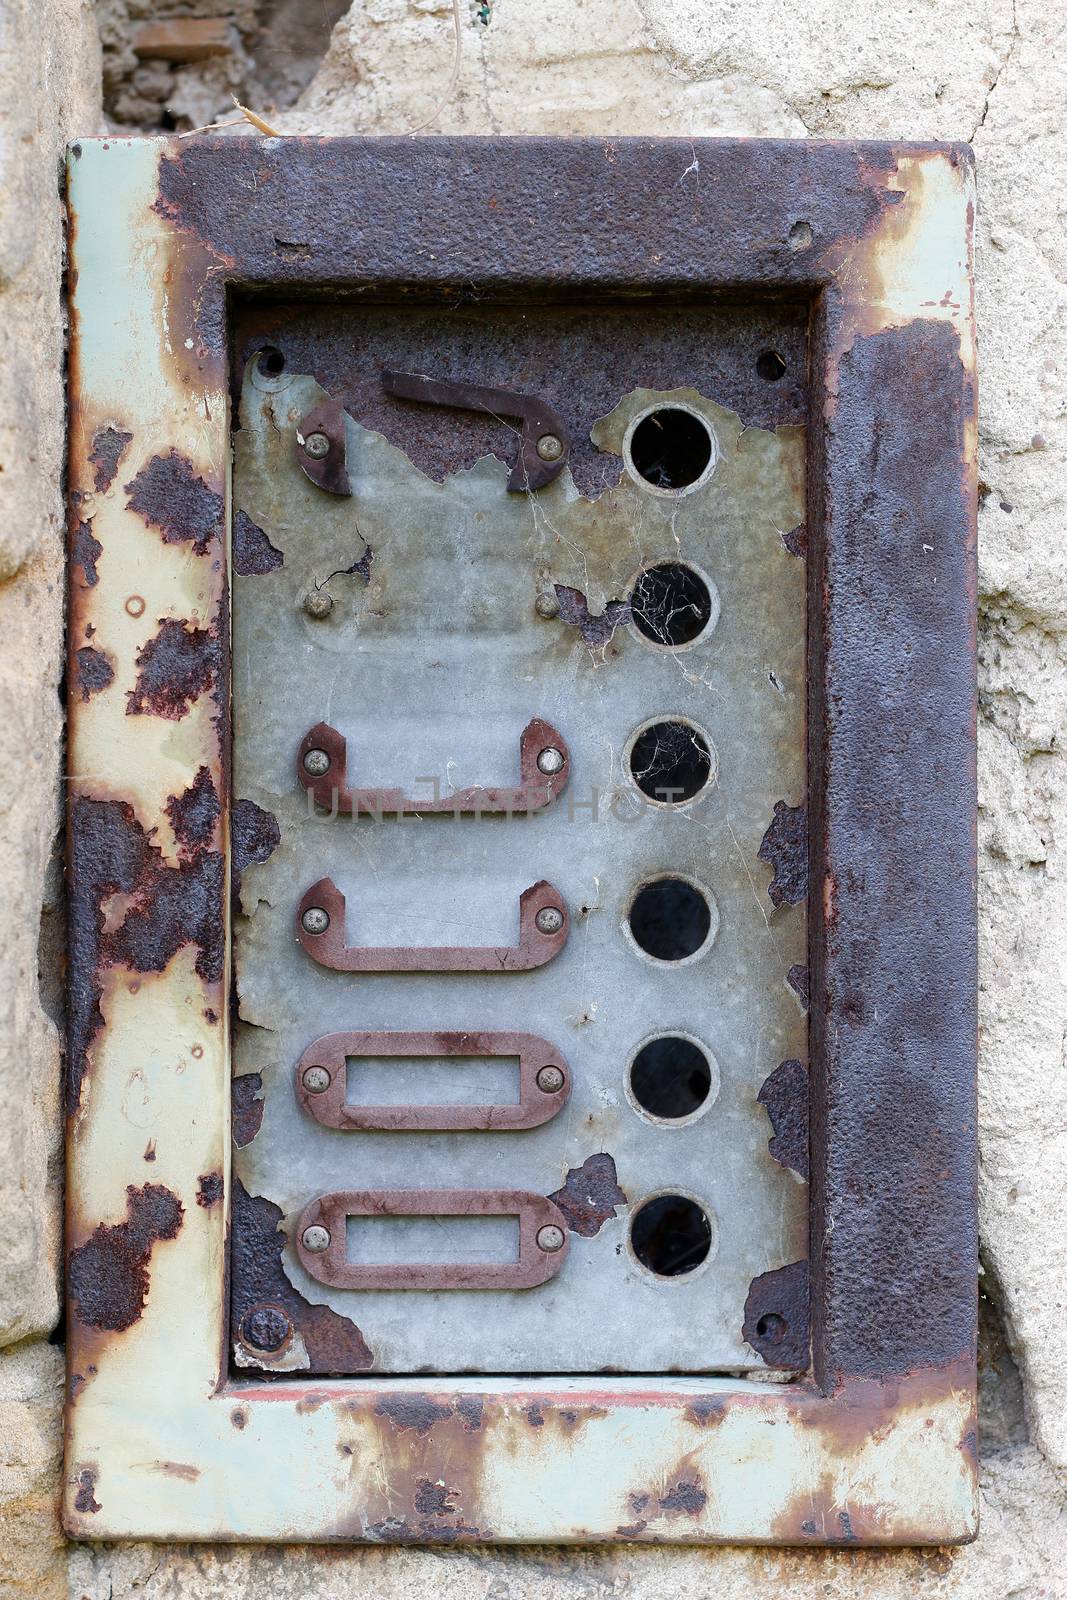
{"x": 150, "y": 1150}
{"x": 254, "y": 835}
{"x": 785, "y": 1098}
{"x": 776, "y": 1317}
{"x": 416, "y": 1412}
{"x": 574, "y": 609}
{"x": 361, "y": 568}
{"x": 797, "y": 979}
{"x": 85, "y": 551}
{"x": 193, "y": 815}
{"x": 209, "y": 1189}
{"x": 108, "y": 1275}
{"x": 246, "y": 1113}
{"x": 631, "y": 1530}
{"x": 469, "y": 1408}
{"x": 109, "y": 446}
{"x": 534, "y": 1415}
{"x": 253, "y": 553}
{"x": 181, "y": 663}
{"x": 238, "y": 1418}
{"x": 796, "y": 540}
{"x": 168, "y": 907}
{"x": 135, "y": 605}
{"x": 434, "y": 1499}
{"x": 784, "y": 848}
{"x": 85, "y": 1500}
{"x": 686, "y": 1496}
{"x": 94, "y": 669}
{"x": 332, "y": 1342}
{"x": 169, "y": 495}
{"x": 590, "y": 1195}
{"x": 708, "y": 1411}
{"x": 177, "y": 1469}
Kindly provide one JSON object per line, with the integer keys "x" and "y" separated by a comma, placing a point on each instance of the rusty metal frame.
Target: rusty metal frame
{"x": 878, "y": 1444}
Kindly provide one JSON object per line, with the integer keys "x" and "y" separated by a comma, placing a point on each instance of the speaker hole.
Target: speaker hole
{"x": 670, "y": 1235}
{"x": 670, "y": 448}
{"x": 670, "y": 1077}
{"x": 670, "y": 762}
{"x": 670, "y": 919}
{"x": 671, "y": 604}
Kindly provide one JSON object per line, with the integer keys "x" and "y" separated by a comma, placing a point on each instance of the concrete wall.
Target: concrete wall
{"x": 985, "y": 70}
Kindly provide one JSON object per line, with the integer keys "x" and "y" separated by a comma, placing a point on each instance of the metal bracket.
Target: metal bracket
{"x": 544, "y": 1081}
{"x": 322, "y": 1224}
{"x": 544, "y": 762}
{"x": 543, "y": 929}
{"x": 322, "y": 447}
{"x": 544, "y": 444}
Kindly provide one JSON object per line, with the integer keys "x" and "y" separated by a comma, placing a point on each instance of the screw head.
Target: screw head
{"x": 318, "y": 603}
{"x": 549, "y": 920}
{"x": 550, "y": 1080}
{"x": 265, "y": 1328}
{"x": 317, "y": 763}
{"x": 550, "y": 760}
{"x": 316, "y": 1080}
{"x": 550, "y": 1238}
{"x": 549, "y": 448}
{"x": 316, "y": 445}
{"x": 314, "y": 920}
{"x": 316, "y": 1239}
{"x": 546, "y": 605}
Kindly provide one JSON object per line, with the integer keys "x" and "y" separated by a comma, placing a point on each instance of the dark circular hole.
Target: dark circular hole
{"x": 671, "y": 604}
{"x": 670, "y": 448}
{"x": 670, "y": 1235}
{"x": 670, "y": 1077}
{"x": 669, "y": 919}
{"x": 772, "y": 1327}
{"x": 270, "y": 362}
{"x": 670, "y": 762}
{"x": 770, "y": 365}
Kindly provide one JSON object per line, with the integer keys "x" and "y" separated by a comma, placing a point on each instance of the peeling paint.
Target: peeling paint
{"x": 108, "y": 1274}
{"x": 172, "y": 497}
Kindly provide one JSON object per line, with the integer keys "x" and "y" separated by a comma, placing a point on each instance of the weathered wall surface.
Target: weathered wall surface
{"x": 985, "y": 70}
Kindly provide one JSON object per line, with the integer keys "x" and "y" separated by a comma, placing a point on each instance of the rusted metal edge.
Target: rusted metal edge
{"x": 543, "y": 440}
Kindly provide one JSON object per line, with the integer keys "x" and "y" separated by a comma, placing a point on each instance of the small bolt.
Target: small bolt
{"x": 549, "y": 448}
{"x": 265, "y": 1328}
{"x": 315, "y": 1239}
{"x": 550, "y": 920}
{"x": 318, "y": 603}
{"x": 314, "y": 920}
{"x": 550, "y": 1080}
{"x": 316, "y": 1080}
{"x": 317, "y": 763}
{"x": 316, "y": 445}
{"x": 550, "y": 760}
{"x": 550, "y": 1238}
{"x": 546, "y": 605}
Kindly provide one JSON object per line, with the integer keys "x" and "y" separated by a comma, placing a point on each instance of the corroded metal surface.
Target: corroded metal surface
{"x": 879, "y": 1445}
{"x": 427, "y": 668}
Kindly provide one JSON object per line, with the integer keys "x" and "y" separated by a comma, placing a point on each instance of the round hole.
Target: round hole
{"x": 670, "y": 919}
{"x": 670, "y": 1235}
{"x": 670, "y": 448}
{"x": 271, "y": 362}
{"x": 800, "y": 236}
{"x": 671, "y": 604}
{"x": 770, "y": 365}
{"x": 772, "y": 1327}
{"x": 670, "y": 1077}
{"x": 671, "y": 762}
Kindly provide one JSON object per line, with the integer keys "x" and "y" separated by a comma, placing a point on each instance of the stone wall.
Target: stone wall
{"x": 984, "y": 70}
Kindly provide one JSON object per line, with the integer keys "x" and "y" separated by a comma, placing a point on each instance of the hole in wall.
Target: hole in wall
{"x": 672, "y": 604}
{"x": 671, "y": 1235}
{"x": 670, "y": 1077}
{"x": 671, "y": 919}
{"x": 670, "y": 448}
{"x": 671, "y": 761}
{"x": 770, "y": 366}
{"x": 270, "y": 362}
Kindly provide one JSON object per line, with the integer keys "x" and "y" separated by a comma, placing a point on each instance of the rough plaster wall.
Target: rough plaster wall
{"x": 49, "y": 90}
{"x": 838, "y": 68}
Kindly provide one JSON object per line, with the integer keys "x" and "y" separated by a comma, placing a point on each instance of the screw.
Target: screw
{"x": 550, "y": 1080}
{"x": 315, "y": 1239}
{"x": 546, "y": 605}
{"x": 314, "y": 920}
{"x": 550, "y": 920}
{"x": 550, "y": 760}
{"x": 265, "y": 1328}
{"x": 549, "y": 448}
{"x": 550, "y": 1238}
{"x": 317, "y": 763}
{"x": 316, "y": 445}
{"x": 318, "y": 603}
{"x": 316, "y": 1080}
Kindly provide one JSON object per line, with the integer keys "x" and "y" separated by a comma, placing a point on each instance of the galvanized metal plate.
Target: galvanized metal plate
{"x": 433, "y": 659}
